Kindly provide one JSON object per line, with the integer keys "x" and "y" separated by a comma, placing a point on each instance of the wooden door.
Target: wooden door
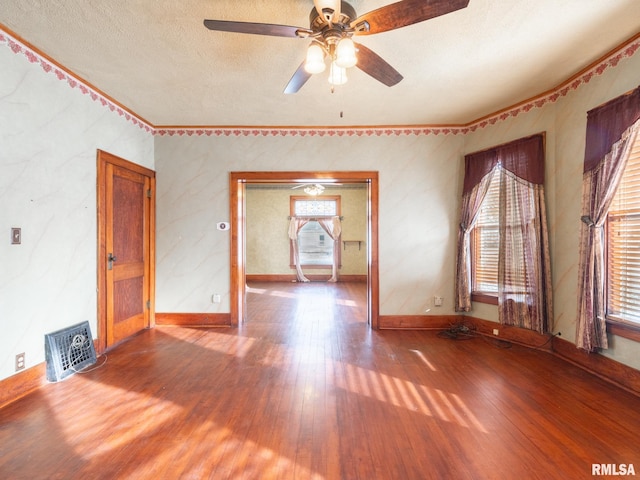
{"x": 125, "y": 252}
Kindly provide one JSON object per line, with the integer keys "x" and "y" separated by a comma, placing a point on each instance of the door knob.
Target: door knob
{"x": 110, "y": 259}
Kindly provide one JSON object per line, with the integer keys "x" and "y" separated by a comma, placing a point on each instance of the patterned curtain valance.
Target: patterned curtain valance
{"x": 524, "y": 158}
{"x": 607, "y": 123}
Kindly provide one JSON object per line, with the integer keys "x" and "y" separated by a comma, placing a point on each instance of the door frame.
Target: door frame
{"x": 237, "y": 196}
{"x": 104, "y": 158}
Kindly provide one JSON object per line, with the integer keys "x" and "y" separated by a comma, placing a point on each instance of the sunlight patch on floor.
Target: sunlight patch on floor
{"x": 424, "y": 360}
{"x": 347, "y": 303}
{"x": 275, "y": 356}
{"x": 259, "y": 291}
{"x": 223, "y": 455}
{"x": 231, "y": 456}
{"x": 401, "y": 393}
{"x": 311, "y": 295}
{"x": 227, "y": 343}
{"x": 273, "y": 293}
{"x": 151, "y": 413}
{"x": 278, "y": 293}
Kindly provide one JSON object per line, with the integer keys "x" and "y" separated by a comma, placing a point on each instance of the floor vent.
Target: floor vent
{"x": 68, "y": 351}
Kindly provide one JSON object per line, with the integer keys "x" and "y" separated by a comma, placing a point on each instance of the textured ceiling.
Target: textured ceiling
{"x": 156, "y": 58}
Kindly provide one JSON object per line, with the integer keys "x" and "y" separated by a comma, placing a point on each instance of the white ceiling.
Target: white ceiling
{"x": 156, "y": 58}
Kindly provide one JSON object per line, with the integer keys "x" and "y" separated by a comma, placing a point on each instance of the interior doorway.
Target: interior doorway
{"x": 238, "y": 184}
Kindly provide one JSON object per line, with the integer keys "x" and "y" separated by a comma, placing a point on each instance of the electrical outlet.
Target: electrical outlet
{"x": 437, "y": 301}
{"x": 496, "y": 332}
{"x": 20, "y": 362}
{"x": 216, "y": 298}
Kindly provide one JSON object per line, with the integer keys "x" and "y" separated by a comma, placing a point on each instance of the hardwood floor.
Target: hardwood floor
{"x": 304, "y": 389}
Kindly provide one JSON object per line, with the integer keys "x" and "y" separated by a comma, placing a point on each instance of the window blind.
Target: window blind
{"x": 623, "y": 244}
{"x": 486, "y": 240}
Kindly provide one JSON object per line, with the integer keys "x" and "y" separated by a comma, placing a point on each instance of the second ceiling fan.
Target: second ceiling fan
{"x": 333, "y": 23}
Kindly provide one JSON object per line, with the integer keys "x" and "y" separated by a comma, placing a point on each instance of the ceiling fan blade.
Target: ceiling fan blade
{"x": 257, "y": 28}
{"x": 403, "y": 13}
{"x": 299, "y": 78}
{"x": 373, "y": 64}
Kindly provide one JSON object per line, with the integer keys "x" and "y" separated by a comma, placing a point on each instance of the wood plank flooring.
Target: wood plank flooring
{"x": 305, "y": 390}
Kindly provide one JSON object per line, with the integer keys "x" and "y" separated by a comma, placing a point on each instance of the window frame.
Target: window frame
{"x": 484, "y": 296}
{"x": 495, "y": 195}
{"x": 618, "y": 325}
{"x": 292, "y": 211}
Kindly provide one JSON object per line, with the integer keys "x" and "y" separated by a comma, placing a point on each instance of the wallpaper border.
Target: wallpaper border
{"x": 612, "y": 59}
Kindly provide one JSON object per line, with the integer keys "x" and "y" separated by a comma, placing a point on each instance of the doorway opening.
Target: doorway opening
{"x": 238, "y": 186}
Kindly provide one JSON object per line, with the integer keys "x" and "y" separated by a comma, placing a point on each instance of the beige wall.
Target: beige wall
{"x": 419, "y": 182}
{"x": 49, "y": 136}
{"x": 267, "y": 242}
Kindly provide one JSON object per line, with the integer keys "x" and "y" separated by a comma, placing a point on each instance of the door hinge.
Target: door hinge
{"x": 148, "y": 304}
{"x": 149, "y": 193}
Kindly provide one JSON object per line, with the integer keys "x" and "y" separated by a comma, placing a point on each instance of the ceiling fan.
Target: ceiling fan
{"x": 333, "y": 23}
{"x": 314, "y": 189}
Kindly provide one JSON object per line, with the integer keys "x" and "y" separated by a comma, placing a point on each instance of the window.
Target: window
{"x": 318, "y": 207}
{"x": 623, "y": 245}
{"x": 485, "y": 241}
{"x": 315, "y": 246}
{"x": 503, "y": 251}
{"x": 314, "y": 249}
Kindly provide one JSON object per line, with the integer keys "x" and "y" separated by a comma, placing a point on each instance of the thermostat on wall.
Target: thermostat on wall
{"x": 223, "y": 225}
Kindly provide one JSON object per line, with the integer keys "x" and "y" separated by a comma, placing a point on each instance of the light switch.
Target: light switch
{"x": 16, "y": 236}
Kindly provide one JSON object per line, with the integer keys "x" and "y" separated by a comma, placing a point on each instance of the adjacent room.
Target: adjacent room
{"x": 319, "y": 239}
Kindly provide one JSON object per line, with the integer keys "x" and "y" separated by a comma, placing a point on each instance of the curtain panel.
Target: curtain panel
{"x": 611, "y": 131}
{"x": 524, "y": 276}
{"x": 524, "y": 279}
{"x": 333, "y": 227}
{"x": 295, "y": 224}
{"x": 471, "y": 202}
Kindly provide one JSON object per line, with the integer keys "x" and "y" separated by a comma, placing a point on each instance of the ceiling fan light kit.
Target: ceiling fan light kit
{"x": 342, "y": 55}
{"x": 346, "y": 53}
{"x": 333, "y": 23}
{"x": 315, "y": 59}
{"x": 337, "y": 74}
{"x": 314, "y": 189}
